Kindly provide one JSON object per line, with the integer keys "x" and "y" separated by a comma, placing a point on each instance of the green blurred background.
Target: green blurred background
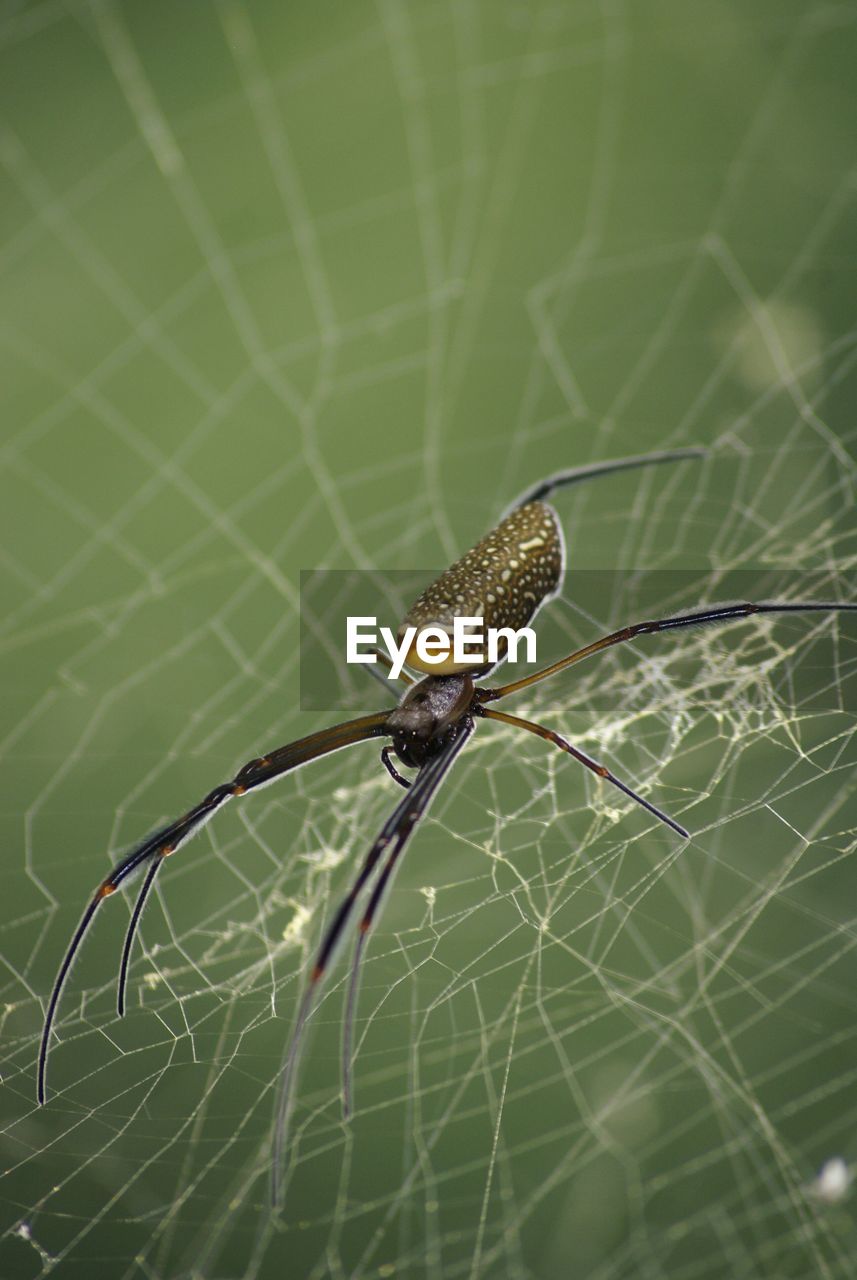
{"x": 291, "y": 286}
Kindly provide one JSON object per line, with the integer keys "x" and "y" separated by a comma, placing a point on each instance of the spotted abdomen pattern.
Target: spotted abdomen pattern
{"x": 503, "y": 579}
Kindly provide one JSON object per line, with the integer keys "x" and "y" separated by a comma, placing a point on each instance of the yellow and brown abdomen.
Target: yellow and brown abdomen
{"x": 503, "y": 580}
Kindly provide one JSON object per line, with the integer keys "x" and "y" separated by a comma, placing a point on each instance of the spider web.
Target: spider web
{"x": 287, "y": 288}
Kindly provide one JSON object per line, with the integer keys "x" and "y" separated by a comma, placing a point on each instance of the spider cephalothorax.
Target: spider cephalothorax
{"x": 505, "y": 578}
{"x": 429, "y": 712}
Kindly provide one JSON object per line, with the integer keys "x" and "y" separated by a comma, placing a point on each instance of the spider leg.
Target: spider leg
{"x": 395, "y": 831}
{"x": 131, "y": 931}
{"x": 389, "y": 685}
{"x": 588, "y": 472}
{"x": 391, "y": 768}
{"x": 404, "y": 675}
{"x": 282, "y": 1109}
{"x": 373, "y": 671}
{"x": 164, "y": 841}
{"x": 599, "y": 769}
{"x": 722, "y": 613}
{"x": 445, "y": 761}
{"x": 348, "y": 1024}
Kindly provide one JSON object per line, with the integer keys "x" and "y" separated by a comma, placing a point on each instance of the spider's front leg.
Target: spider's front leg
{"x": 716, "y": 613}
{"x": 392, "y": 840}
{"x": 166, "y": 840}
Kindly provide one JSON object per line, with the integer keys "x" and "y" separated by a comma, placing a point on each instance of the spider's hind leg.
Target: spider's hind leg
{"x": 389, "y": 684}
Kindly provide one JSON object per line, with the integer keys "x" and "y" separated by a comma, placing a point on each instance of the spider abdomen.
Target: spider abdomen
{"x": 503, "y": 580}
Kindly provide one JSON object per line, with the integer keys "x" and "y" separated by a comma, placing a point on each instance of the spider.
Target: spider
{"x": 504, "y": 579}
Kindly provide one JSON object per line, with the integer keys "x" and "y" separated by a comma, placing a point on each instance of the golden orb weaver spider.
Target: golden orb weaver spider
{"x": 504, "y": 578}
